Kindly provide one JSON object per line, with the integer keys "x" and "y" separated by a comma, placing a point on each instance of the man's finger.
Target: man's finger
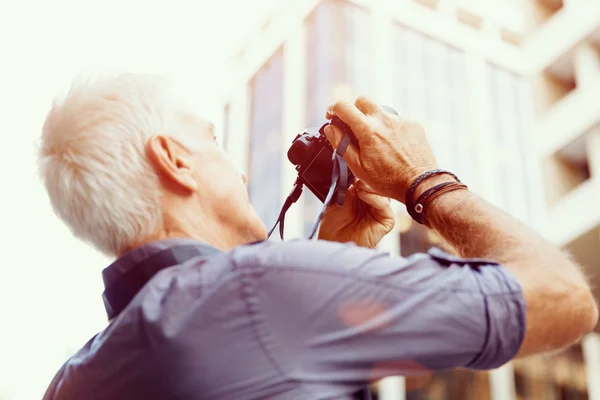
{"x": 335, "y": 135}
{"x": 376, "y": 201}
{"x": 367, "y": 106}
{"x": 352, "y": 116}
{"x": 363, "y": 186}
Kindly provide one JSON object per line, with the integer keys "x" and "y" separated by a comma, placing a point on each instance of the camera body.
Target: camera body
{"x": 312, "y": 153}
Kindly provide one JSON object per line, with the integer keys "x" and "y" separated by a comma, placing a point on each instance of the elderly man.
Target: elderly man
{"x": 201, "y": 306}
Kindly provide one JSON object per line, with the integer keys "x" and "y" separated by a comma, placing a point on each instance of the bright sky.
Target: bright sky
{"x": 50, "y": 284}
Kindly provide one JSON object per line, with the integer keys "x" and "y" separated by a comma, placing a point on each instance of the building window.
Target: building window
{"x": 512, "y": 113}
{"x": 415, "y": 240}
{"x": 338, "y": 63}
{"x": 430, "y": 80}
{"x": 266, "y": 139}
{"x": 458, "y": 384}
{"x": 560, "y": 377}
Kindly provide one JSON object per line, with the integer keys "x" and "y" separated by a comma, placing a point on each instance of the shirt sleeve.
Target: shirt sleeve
{"x": 339, "y": 312}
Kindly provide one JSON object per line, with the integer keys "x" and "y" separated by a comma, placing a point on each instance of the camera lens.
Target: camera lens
{"x": 299, "y": 151}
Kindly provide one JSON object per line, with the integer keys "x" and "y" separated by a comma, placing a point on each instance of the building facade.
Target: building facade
{"x": 463, "y": 71}
{"x": 563, "y": 50}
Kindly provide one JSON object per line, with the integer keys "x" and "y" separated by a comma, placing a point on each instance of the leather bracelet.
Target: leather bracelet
{"x": 431, "y": 194}
{"x": 408, "y": 200}
{"x": 419, "y": 203}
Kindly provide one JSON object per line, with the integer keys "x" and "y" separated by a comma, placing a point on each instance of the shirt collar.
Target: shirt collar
{"x": 128, "y": 274}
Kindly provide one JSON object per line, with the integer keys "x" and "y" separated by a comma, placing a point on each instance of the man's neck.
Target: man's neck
{"x": 216, "y": 237}
{"x": 182, "y": 219}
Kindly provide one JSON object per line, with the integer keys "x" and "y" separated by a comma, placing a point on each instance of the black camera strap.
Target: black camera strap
{"x": 291, "y": 199}
{"x": 339, "y": 181}
{"x": 342, "y": 166}
{"x": 339, "y": 185}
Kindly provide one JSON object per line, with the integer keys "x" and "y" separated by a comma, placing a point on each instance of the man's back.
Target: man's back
{"x": 187, "y": 335}
{"x": 271, "y": 321}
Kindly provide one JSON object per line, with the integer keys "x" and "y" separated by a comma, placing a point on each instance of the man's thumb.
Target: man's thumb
{"x": 335, "y": 135}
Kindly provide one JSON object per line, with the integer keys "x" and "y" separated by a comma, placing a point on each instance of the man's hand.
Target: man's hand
{"x": 364, "y": 218}
{"x": 392, "y": 151}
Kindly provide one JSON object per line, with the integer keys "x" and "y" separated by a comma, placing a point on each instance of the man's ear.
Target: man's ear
{"x": 171, "y": 162}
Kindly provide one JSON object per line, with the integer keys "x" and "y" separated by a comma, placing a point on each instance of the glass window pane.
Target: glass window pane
{"x": 558, "y": 377}
{"x": 511, "y": 113}
{"x": 430, "y": 86}
{"x": 265, "y": 145}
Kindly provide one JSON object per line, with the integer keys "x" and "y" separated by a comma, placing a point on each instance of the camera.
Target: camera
{"x": 311, "y": 153}
{"x": 320, "y": 168}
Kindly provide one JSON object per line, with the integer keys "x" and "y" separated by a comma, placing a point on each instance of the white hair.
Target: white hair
{"x": 93, "y": 161}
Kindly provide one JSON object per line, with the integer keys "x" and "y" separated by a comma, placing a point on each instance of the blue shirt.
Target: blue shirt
{"x": 295, "y": 320}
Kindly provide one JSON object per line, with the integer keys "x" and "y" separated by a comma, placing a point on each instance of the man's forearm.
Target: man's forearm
{"x": 475, "y": 228}
{"x": 560, "y": 304}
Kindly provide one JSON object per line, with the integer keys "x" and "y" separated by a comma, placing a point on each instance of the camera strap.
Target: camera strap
{"x": 342, "y": 166}
{"x": 339, "y": 181}
{"x": 291, "y": 199}
{"x": 339, "y": 185}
